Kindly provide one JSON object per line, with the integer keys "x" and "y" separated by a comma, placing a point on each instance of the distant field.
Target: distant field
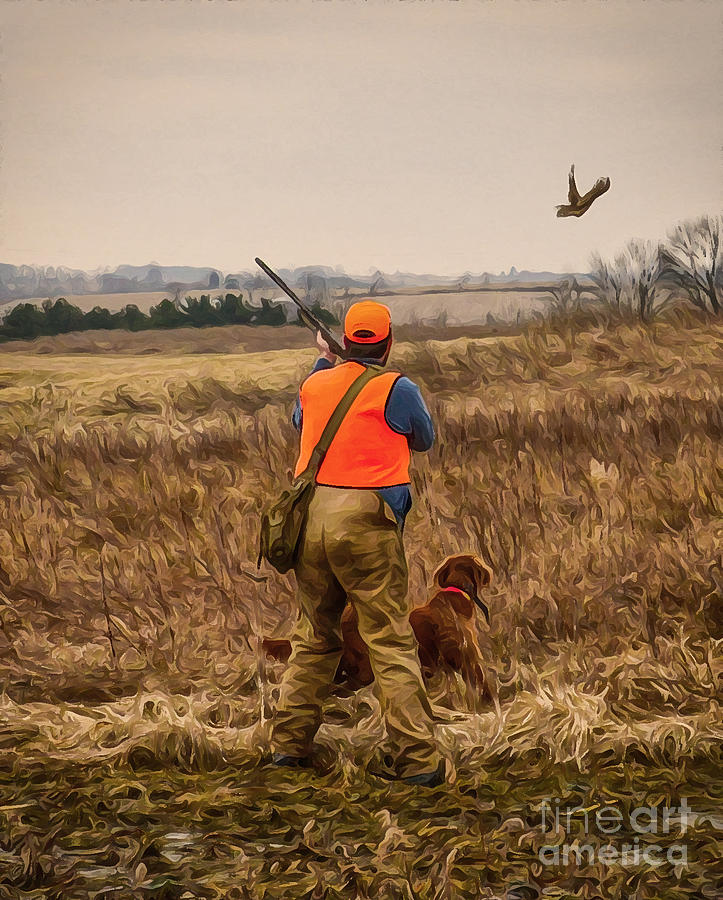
{"x": 408, "y": 307}
{"x": 464, "y": 307}
{"x": 219, "y": 339}
{"x": 213, "y": 339}
{"x": 416, "y": 317}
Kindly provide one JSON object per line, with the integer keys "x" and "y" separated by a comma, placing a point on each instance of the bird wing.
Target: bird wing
{"x": 573, "y": 197}
{"x": 600, "y": 186}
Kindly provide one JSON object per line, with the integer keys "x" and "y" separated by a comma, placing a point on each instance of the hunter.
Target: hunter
{"x": 352, "y": 551}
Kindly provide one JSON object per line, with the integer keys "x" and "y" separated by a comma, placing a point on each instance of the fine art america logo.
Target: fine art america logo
{"x": 603, "y": 834}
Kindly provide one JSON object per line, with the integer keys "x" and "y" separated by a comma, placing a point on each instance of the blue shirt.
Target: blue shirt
{"x": 406, "y": 413}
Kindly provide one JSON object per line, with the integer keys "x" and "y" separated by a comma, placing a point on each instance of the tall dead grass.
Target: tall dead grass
{"x": 582, "y": 460}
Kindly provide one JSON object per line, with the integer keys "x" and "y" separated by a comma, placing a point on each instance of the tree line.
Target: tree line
{"x": 27, "y": 320}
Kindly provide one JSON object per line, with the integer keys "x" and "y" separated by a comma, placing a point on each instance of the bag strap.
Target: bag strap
{"x": 337, "y": 417}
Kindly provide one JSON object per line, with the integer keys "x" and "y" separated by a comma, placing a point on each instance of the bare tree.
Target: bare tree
{"x": 608, "y": 278}
{"x": 693, "y": 259}
{"x": 378, "y": 284}
{"x": 568, "y": 294}
{"x": 642, "y": 270}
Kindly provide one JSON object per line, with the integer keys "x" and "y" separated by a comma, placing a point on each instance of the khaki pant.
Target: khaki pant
{"x": 352, "y": 550}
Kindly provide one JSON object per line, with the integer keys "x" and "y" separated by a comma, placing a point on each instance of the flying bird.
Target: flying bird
{"x": 577, "y": 205}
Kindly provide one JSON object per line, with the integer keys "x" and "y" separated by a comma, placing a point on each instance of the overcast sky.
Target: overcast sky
{"x": 421, "y": 136}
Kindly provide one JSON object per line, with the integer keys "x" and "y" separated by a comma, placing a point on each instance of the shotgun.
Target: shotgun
{"x": 305, "y": 314}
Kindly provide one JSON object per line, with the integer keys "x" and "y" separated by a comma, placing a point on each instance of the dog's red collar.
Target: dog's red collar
{"x": 456, "y": 590}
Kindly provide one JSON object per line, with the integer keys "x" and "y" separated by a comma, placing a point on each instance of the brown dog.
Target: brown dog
{"x": 445, "y": 629}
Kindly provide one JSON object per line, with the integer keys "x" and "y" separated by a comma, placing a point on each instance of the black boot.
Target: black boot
{"x": 424, "y": 779}
{"x": 290, "y": 762}
{"x": 428, "y": 779}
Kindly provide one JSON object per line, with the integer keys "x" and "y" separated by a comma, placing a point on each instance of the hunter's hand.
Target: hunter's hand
{"x": 324, "y": 348}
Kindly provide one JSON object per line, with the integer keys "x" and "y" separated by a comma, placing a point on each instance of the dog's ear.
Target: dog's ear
{"x": 482, "y": 572}
{"x": 482, "y": 576}
{"x": 442, "y": 573}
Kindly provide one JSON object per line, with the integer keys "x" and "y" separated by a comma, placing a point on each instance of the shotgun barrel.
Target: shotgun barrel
{"x": 305, "y": 314}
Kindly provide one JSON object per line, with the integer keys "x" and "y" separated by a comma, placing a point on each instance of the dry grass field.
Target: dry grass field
{"x": 580, "y": 457}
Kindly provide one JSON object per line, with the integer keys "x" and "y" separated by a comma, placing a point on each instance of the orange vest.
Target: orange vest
{"x": 365, "y": 452}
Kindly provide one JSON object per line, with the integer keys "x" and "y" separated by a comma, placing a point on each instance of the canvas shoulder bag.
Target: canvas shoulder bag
{"x": 282, "y": 523}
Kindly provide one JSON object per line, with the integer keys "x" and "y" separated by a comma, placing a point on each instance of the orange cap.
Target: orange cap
{"x": 367, "y": 322}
